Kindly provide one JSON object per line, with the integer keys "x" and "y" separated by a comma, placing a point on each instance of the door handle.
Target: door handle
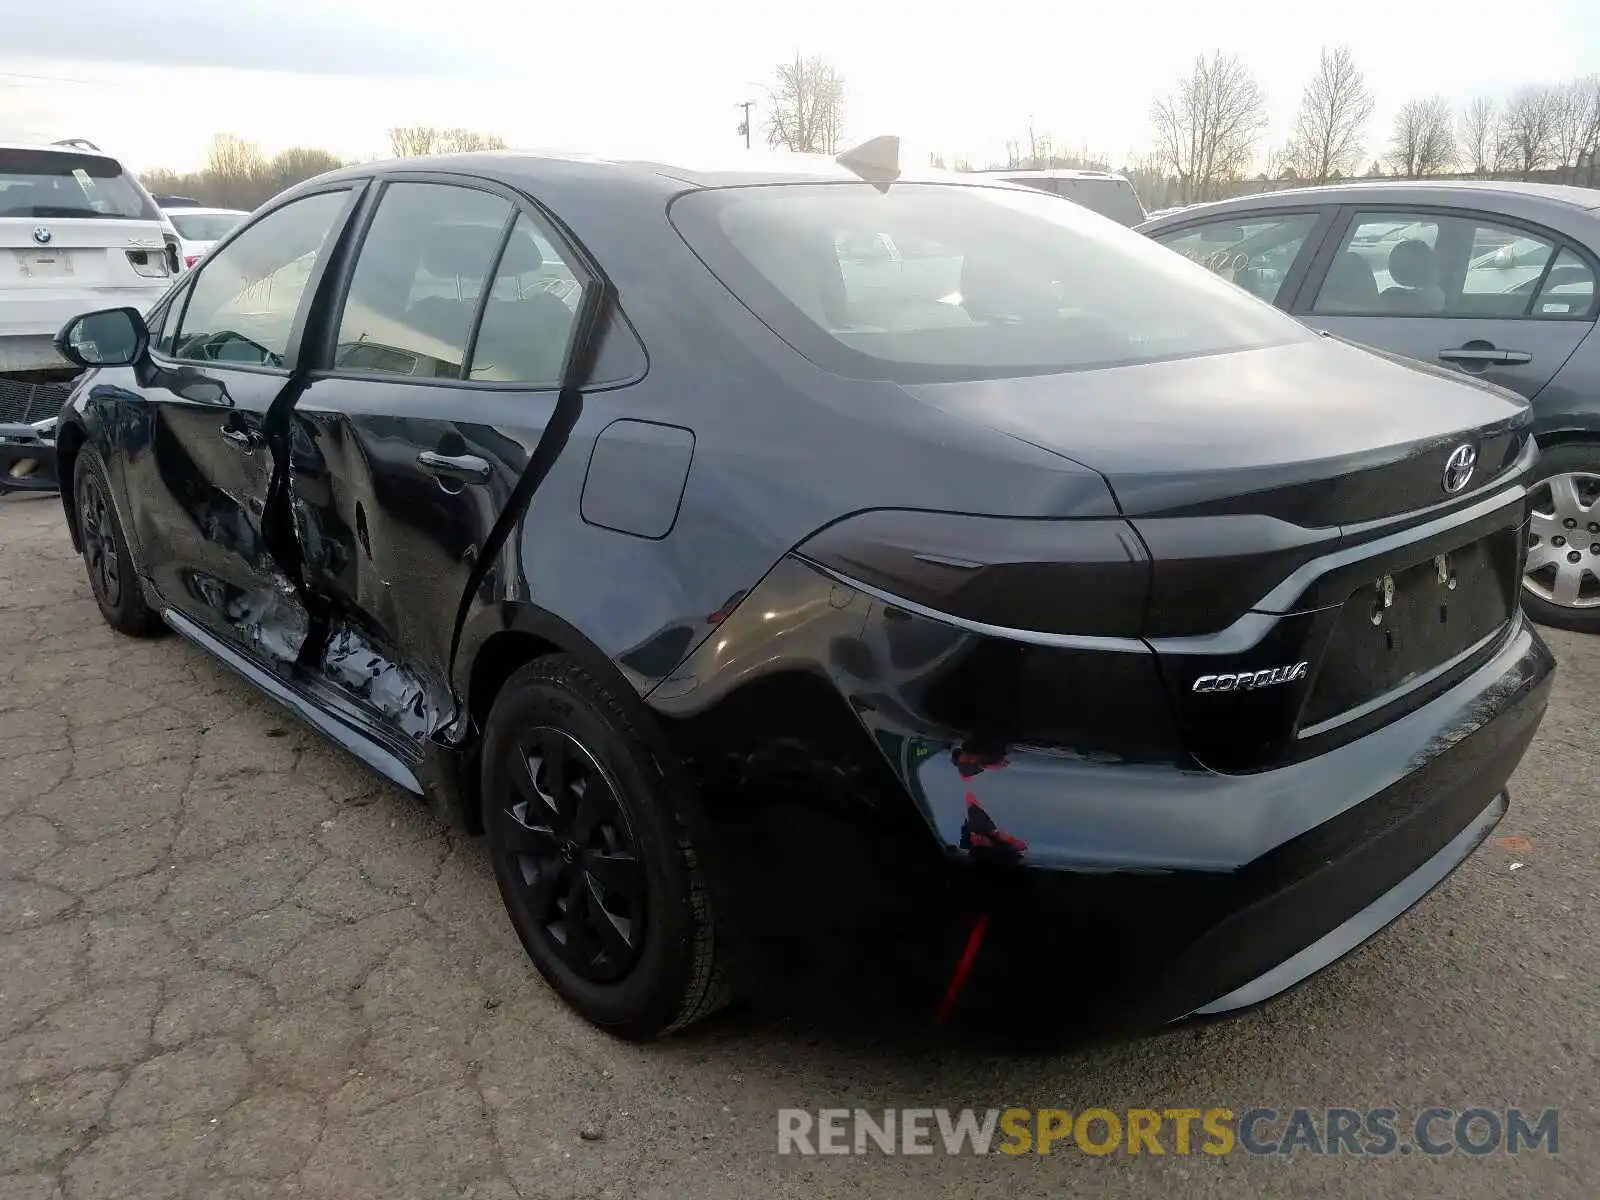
{"x": 1485, "y": 355}
{"x": 245, "y": 439}
{"x": 464, "y": 468}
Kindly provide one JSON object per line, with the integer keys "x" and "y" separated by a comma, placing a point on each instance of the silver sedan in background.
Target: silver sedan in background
{"x": 1495, "y": 280}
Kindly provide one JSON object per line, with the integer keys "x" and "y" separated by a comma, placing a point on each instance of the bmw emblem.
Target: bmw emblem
{"x": 1458, "y": 468}
{"x": 42, "y": 236}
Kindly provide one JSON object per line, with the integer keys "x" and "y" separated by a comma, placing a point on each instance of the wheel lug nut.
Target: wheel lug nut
{"x": 1571, "y": 522}
{"x": 1594, "y": 548}
{"x": 1594, "y": 526}
{"x": 1558, "y": 540}
{"x": 1574, "y": 556}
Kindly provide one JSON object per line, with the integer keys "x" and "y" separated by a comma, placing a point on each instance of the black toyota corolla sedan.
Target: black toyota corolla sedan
{"x": 813, "y": 573}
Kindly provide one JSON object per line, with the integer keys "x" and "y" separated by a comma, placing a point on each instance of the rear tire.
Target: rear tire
{"x": 588, "y": 833}
{"x": 1565, "y": 504}
{"x": 112, "y": 576}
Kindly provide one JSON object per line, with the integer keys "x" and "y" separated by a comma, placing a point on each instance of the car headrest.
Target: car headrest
{"x": 1350, "y": 286}
{"x": 450, "y": 249}
{"x": 1411, "y": 264}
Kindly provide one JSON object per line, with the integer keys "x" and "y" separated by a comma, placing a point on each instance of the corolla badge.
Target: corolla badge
{"x": 42, "y": 236}
{"x": 1248, "y": 681}
{"x": 1458, "y": 468}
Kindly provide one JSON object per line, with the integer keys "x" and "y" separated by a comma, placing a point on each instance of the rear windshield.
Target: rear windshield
{"x": 54, "y": 183}
{"x": 1114, "y": 198}
{"x": 204, "y": 227}
{"x": 925, "y": 282}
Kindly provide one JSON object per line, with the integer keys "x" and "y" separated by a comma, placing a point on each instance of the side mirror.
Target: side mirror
{"x": 111, "y": 337}
{"x": 1504, "y": 259}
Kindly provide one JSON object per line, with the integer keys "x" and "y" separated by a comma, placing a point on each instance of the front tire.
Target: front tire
{"x": 1561, "y": 586}
{"x": 112, "y": 577}
{"x": 587, "y": 833}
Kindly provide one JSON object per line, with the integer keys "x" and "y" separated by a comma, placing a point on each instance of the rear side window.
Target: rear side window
{"x": 52, "y": 184}
{"x": 1395, "y": 264}
{"x": 421, "y": 269}
{"x": 1003, "y": 283}
{"x": 1114, "y": 198}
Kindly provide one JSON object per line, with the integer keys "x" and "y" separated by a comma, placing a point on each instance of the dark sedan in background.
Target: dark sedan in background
{"x": 1494, "y": 280}
{"x": 825, "y": 581}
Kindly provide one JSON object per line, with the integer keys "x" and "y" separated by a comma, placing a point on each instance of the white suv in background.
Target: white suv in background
{"x": 77, "y": 233}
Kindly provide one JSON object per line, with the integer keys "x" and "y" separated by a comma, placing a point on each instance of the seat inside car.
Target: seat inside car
{"x": 1350, "y": 286}
{"x": 452, "y": 261}
{"x": 523, "y": 337}
{"x": 1416, "y": 279}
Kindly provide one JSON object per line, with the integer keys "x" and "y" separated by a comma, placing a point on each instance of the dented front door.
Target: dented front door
{"x": 199, "y": 465}
{"x": 439, "y": 376}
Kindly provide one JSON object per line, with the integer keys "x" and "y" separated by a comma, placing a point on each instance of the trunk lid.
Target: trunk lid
{"x": 1316, "y": 432}
{"x": 41, "y": 252}
{"x": 1316, "y": 566}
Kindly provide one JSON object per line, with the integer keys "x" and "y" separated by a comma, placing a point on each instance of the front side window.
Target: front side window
{"x": 421, "y": 269}
{"x": 44, "y": 184}
{"x": 1254, "y": 252}
{"x": 1394, "y": 264}
{"x": 243, "y": 301}
{"x": 1004, "y": 282}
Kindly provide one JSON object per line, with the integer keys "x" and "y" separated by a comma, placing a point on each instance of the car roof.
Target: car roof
{"x": 739, "y": 169}
{"x": 56, "y": 148}
{"x": 1050, "y": 173}
{"x": 1506, "y": 196}
{"x": 186, "y": 209}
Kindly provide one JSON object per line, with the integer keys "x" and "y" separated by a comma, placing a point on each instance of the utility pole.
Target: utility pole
{"x": 744, "y": 125}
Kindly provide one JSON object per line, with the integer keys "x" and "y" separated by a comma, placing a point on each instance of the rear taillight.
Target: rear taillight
{"x": 1089, "y": 576}
{"x": 147, "y": 264}
{"x": 189, "y": 260}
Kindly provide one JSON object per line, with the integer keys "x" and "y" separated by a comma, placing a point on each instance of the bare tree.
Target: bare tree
{"x": 1207, "y": 130}
{"x": 237, "y": 171}
{"x": 1334, "y": 111}
{"x": 1576, "y": 119}
{"x": 807, "y": 106}
{"x": 1528, "y": 128}
{"x": 467, "y": 140}
{"x": 409, "y": 141}
{"x": 1478, "y": 134}
{"x": 1424, "y": 138}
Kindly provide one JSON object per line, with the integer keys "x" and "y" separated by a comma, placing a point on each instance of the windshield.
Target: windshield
{"x": 59, "y": 184}
{"x": 1005, "y": 282}
{"x": 204, "y": 227}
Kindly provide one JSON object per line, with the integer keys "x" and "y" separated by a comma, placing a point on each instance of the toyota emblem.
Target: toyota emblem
{"x": 1458, "y": 468}
{"x": 42, "y": 236}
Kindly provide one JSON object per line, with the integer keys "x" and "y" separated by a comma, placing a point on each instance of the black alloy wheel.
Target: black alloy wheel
{"x": 112, "y": 577}
{"x": 576, "y": 858}
{"x": 589, "y": 825}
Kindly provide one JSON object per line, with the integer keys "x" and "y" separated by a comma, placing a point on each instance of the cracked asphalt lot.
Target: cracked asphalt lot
{"x": 234, "y": 964}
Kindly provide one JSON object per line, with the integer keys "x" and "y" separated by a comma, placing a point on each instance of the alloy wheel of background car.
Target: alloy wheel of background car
{"x": 588, "y": 833}
{"x": 1561, "y": 586}
{"x": 105, "y": 555}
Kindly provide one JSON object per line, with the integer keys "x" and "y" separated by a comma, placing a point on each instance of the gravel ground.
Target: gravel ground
{"x": 235, "y": 964}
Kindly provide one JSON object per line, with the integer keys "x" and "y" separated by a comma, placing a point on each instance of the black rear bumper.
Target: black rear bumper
{"x": 1088, "y": 898}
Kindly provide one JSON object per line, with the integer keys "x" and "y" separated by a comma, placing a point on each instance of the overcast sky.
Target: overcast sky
{"x": 154, "y": 81}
